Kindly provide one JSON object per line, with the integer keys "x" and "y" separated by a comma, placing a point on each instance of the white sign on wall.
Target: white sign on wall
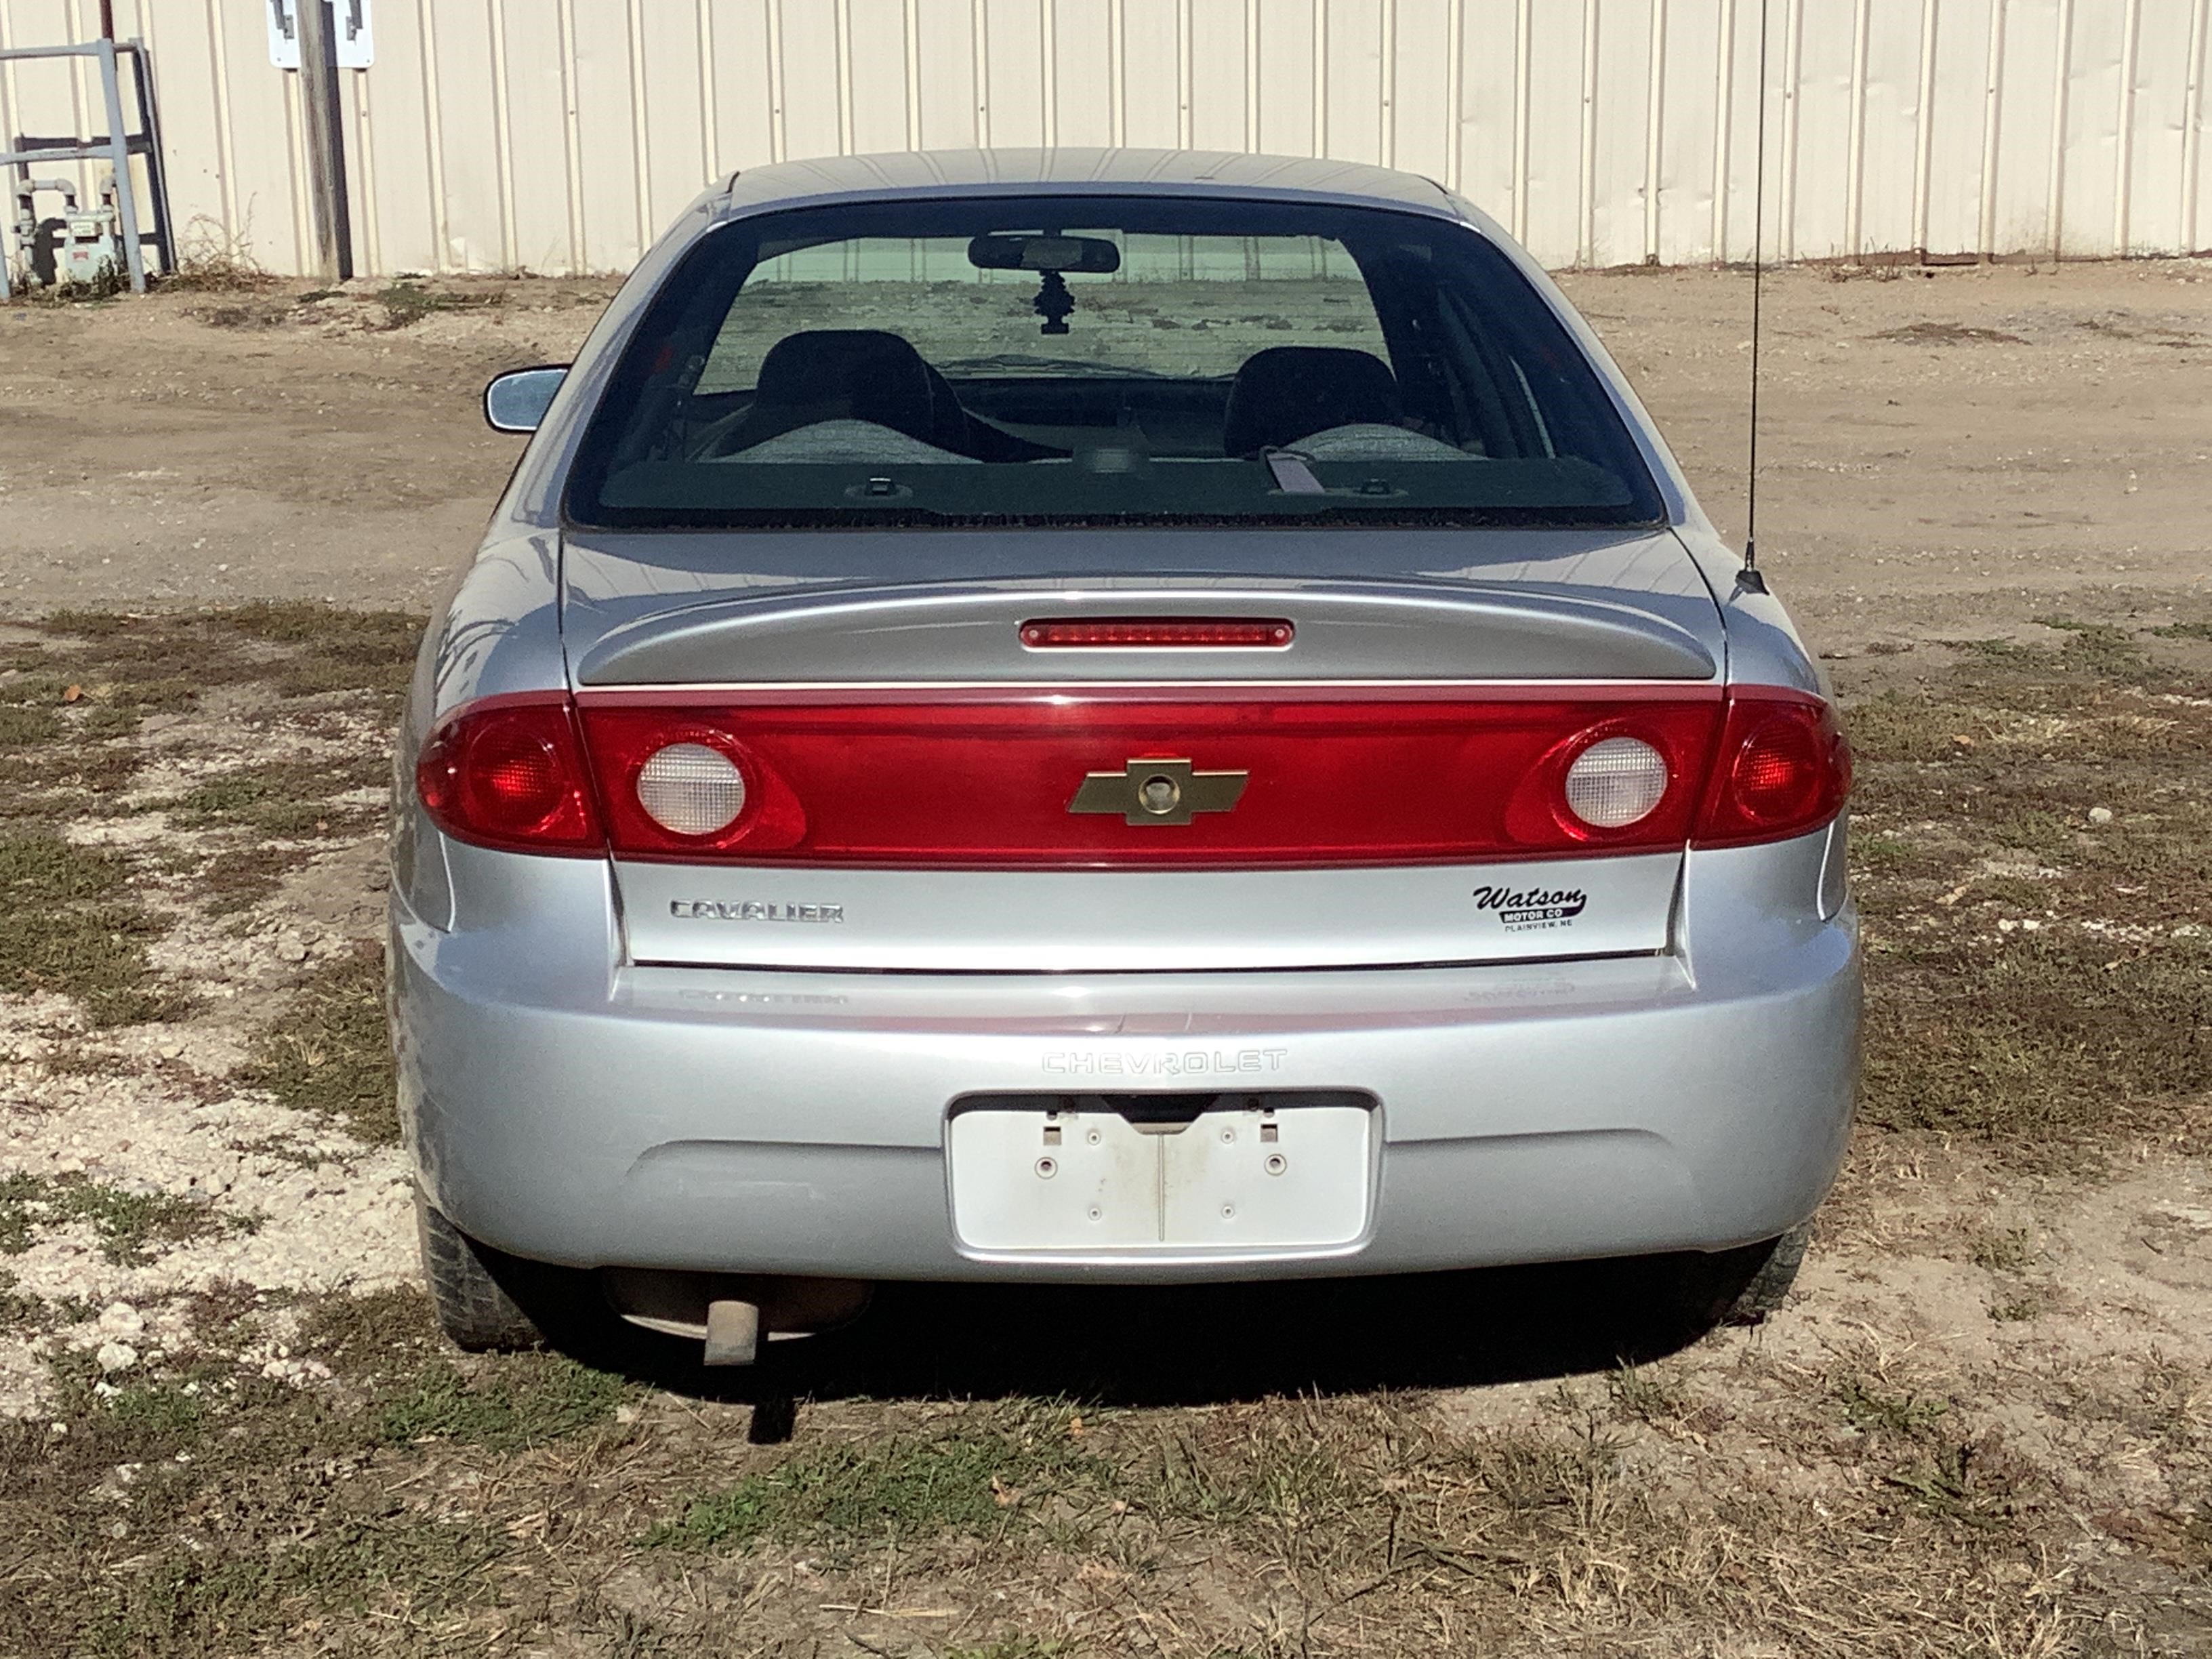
{"x": 356, "y": 46}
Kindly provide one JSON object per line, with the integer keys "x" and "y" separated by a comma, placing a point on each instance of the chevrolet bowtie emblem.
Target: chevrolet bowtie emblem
{"x": 1158, "y": 792}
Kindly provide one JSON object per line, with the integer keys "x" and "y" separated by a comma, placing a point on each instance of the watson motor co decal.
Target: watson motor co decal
{"x": 1526, "y": 909}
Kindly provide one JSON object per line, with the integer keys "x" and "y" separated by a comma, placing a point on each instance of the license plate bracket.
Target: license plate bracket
{"x": 1276, "y": 1169}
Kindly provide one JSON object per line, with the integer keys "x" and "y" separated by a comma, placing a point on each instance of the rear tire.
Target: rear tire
{"x": 1743, "y": 1287}
{"x": 463, "y": 1278}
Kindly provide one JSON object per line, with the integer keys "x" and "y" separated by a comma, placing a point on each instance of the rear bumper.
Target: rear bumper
{"x": 567, "y": 1107}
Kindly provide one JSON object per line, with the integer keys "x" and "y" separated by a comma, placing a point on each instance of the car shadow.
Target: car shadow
{"x": 1185, "y": 1345}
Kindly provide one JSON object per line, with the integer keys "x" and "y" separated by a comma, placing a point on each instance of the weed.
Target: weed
{"x": 239, "y": 877}
{"x": 283, "y": 799}
{"x": 89, "y": 625}
{"x": 2001, "y": 1249}
{"x": 2185, "y": 630}
{"x": 142, "y": 663}
{"x": 329, "y": 1053}
{"x": 130, "y": 1225}
{"x": 18, "y": 1312}
{"x": 2033, "y": 1041}
{"x": 74, "y": 929}
{"x": 1873, "y": 1409}
{"x": 160, "y": 1412}
{"x": 210, "y": 259}
{"x": 979, "y": 1479}
{"x": 534, "y": 1398}
{"x": 378, "y": 1338}
{"x": 1949, "y": 334}
{"x": 1646, "y": 1395}
{"x": 330, "y": 649}
{"x": 1282, "y": 1470}
{"x": 2100, "y": 648}
{"x": 18, "y": 1192}
{"x": 2018, "y": 1304}
{"x": 407, "y": 303}
{"x": 1958, "y": 1480}
{"x": 186, "y": 1603}
{"x": 2038, "y": 1049}
{"x": 27, "y": 726}
{"x": 252, "y": 314}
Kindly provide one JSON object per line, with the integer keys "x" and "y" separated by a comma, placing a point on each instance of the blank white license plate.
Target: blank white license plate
{"x": 1270, "y": 1177}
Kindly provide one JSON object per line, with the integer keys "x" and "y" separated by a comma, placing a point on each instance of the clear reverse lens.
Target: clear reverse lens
{"x": 689, "y": 789}
{"x": 1615, "y": 781}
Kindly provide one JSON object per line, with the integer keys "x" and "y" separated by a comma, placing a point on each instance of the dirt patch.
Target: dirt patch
{"x": 1947, "y": 334}
{"x": 1983, "y": 1425}
{"x": 237, "y": 439}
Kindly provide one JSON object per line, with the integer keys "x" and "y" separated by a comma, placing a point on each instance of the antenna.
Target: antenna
{"x": 1749, "y": 576}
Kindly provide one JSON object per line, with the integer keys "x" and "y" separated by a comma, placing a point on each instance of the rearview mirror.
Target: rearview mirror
{"x": 517, "y": 401}
{"x": 1093, "y": 256}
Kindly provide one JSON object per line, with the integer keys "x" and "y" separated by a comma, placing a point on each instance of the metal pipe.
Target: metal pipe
{"x": 1654, "y": 103}
{"x": 318, "y": 101}
{"x": 1855, "y": 162}
{"x": 1985, "y": 222}
{"x": 126, "y": 196}
{"x": 2192, "y": 125}
{"x": 1923, "y": 129}
{"x": 2055, "y": 198}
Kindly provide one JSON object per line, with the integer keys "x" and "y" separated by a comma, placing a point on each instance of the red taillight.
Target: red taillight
{"x": 1785, "y": 769}
{"x": 1244, "y": 776}
{"x": 1261, "y": 633}
{"x": 507, "y": 772}
{"x": 1268, "y": 776}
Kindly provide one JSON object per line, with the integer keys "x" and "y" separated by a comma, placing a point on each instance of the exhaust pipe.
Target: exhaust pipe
{"x": 734, "y": 1315}
{"x": 733, "y": 1333}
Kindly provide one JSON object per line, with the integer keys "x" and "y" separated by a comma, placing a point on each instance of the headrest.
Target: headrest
{"x": 1286, "y": 393}
{"x": 843, "y": 373}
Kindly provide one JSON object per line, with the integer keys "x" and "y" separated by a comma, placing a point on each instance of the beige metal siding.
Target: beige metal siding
{"x": 561, "y": 135}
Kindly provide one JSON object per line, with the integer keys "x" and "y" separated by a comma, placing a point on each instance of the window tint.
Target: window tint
{"x": 1102, "y": 360}
{"x": 1196, "y": 306}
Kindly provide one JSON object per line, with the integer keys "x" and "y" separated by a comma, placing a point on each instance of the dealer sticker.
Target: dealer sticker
{"x": 1531, "y": 909}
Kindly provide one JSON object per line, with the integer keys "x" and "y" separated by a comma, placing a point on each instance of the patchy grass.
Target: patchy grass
{"x": 128, "y": 1224}
{"x": 210, "y": 1512}
{"x": 1647, "y": 1394}
{"x": 408, "y": 303}
{"x": 285, "y": 800}
{"x": 239, "y": 877}
{"x": 1870, "y": 1406}
{"x": 2029, "y": 850}
{"x": 134, "y": 665}
{"x": 981, "y": 1479}
{"x": 329, "y": 648}
{"x": 531, "y": 1399}
{"x": 1823, "y": 1507}
{"x": 74, "y": 928}
{"x": 330, "y": 1052}
{"x": 357, "y": 1564}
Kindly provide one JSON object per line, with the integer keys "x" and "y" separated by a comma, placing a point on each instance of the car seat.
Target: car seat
{"x": 849, "y": 375}
{"x": 1287, "y": 392}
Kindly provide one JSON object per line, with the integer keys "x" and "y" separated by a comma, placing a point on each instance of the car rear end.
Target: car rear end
{"x": 1380, "y": 879}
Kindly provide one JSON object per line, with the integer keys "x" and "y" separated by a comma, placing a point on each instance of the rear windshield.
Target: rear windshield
{"x": 1102, "y": 361}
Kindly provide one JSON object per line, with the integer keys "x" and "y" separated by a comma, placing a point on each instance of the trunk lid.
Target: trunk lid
{"x": 956, "y": 780}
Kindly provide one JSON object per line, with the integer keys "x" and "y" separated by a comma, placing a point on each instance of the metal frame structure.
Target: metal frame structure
{"x": 115, "y": 148}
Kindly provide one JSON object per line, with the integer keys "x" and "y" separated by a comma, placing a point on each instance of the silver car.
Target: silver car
{"x": 1105, "y": 716}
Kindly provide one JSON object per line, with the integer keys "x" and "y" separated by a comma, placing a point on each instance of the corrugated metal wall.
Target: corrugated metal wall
{"x": 559, "y": 135}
